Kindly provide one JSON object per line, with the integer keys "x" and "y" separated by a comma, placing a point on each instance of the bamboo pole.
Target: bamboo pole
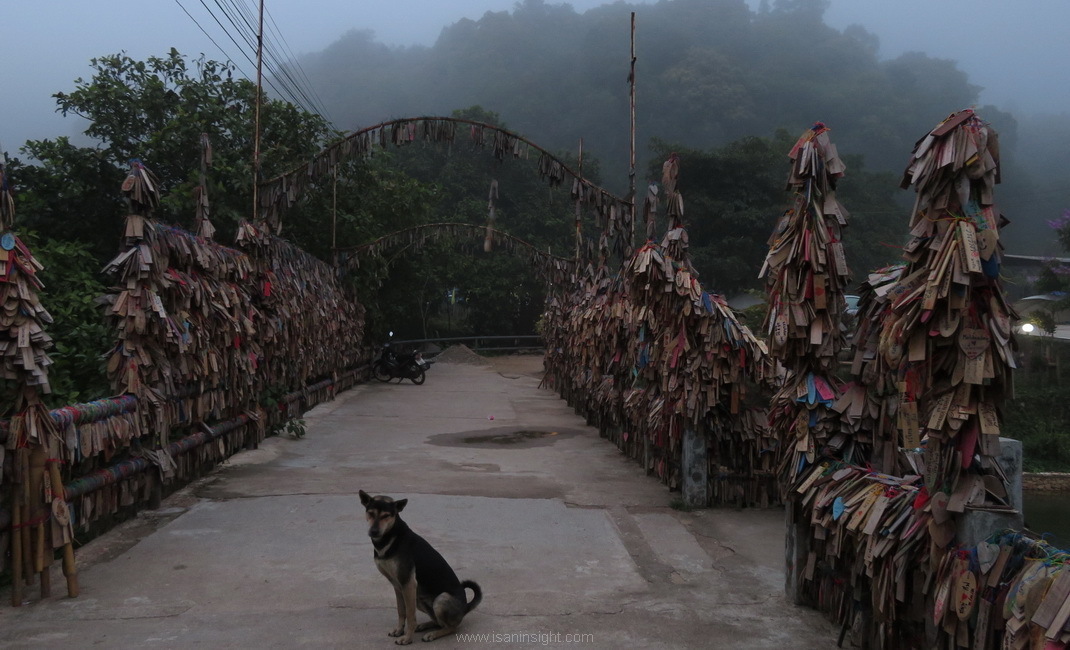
{"x": 70, "y": 571}
{"x": 16, "y": 548}
{"x": 579, "y": 226}
{"x": 334, "y": 215}
{"x": 41, "y": 558}
{"x": 27, "y": 541}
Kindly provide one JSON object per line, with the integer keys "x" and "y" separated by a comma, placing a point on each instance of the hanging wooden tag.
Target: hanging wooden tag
{"x": 973, "y": 341}
{"x": 940, "y": 410}
{"x": 820, "y": 295}
{"x": 908, "y": 425}
{"x": 965, "y": 594}
{"x": 989, "y": 418}
{"x": 938, "y": 505}
{"x": 986, "y": 556}
{"x": 974, "y": 370}
{"x": 970, "y": 252}
{"x": 987, "y": 242}
{"x": 947, "y": 323}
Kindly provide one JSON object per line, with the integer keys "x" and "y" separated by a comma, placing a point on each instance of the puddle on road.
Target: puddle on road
{"x": 509, "y": 438}
{"x": 502, "y": 438}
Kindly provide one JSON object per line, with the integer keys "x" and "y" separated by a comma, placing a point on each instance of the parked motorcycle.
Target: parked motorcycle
{"x": 391, "y": 365}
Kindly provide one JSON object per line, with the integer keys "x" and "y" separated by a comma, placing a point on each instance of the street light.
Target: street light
{"x": 1027, "y": 328}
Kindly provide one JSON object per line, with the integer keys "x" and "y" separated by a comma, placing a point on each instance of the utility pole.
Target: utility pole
{"x": 256, "y": 118}
{"x": 631, "y": 167}
{"x": 579, "y": 207}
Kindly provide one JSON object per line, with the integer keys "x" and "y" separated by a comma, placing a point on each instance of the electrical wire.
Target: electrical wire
{"x": 244, "y": 21}
{"x": 241, "y": 18}
{"x": 205, "y": 32}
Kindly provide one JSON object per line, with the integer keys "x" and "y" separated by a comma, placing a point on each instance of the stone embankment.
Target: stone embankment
{"x": 1046, "y": 482}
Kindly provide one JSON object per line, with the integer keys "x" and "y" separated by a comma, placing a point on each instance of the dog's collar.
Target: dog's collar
{"x": 382, "y": 552}
{"x": 384, "y": 546}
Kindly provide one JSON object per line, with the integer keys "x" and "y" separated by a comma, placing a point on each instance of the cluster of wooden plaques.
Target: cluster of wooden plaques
{"x": 647, "y": 354}
{"x": 23, "y": 340}
{"x": 806, "y": 277}
{"x": 205, "y": 331}
{"x": 933, "y": 359}
{"x": 30, "y": 450}
{"x": 882, "y": 563}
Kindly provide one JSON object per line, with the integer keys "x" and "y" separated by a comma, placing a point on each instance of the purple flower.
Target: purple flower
{"x": 1061, "y": 222}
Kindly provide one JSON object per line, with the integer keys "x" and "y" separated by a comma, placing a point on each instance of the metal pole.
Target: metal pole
{"x": 256, "y": 118}
{"x": 631, "y": 167}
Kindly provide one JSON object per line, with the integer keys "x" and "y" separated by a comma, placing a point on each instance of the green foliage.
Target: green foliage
{"x": 1044, "y": 320}
{"x": 72, "y": 286}
{"x": 498, "y": 292}
{"x": 734, "y": 194}
{"x": 295, "y": 428}
{"x": 156, "y": 110}
{"x": 1039, "y": 418}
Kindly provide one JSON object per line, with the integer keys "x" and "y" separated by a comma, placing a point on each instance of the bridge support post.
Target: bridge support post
{"x": 694, "y": 470}
{"x": 976, "y": 525}
{"x": 796, "y": 551}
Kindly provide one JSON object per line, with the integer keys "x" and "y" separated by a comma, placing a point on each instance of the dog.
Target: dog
{"x": 421, "y": 577}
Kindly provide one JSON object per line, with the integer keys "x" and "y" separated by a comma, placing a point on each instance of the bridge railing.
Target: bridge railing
{"x": 489, "y": 344}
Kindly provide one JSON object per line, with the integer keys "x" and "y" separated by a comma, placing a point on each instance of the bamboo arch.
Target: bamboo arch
{"x": 554, "y": 269}
{"x": 614, "y": 216}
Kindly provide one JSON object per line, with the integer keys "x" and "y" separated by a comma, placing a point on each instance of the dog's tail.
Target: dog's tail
{"x": 477, "y": 597}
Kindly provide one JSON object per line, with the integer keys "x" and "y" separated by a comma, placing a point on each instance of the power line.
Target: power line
{"x": 242, "y": 18}
{"x": 297, "y": 63}
{"x": 281, "y": 80}
{"x": 205, "y": 32}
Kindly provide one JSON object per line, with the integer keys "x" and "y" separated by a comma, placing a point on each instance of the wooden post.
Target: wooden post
{"x": 334, "y": 216}
{"x": 579, "y": 226}
{"x": 69, "y": 569}
{"x": 16, "y": 549}
{"x": 23, "y": 459}
{"x": 42, "y": 559}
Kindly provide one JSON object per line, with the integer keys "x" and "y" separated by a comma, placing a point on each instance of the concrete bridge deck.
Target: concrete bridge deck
{"x": 565, "y": 536}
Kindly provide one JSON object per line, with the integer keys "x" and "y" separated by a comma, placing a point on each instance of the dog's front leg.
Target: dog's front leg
{"x": 400, "y": 629}
{"x": 408, "y": 596}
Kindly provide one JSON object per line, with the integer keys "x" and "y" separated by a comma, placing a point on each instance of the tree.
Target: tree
{"x": 734, "y": 194}
{"x": 156, "y": 110}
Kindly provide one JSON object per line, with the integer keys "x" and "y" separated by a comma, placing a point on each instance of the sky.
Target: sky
{"x": 1018, "y": 51}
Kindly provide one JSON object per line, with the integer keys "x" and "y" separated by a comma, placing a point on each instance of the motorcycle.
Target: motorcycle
{"x": 390, "y": 366}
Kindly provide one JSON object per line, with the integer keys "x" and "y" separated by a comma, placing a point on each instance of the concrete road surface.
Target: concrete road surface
{"x": 573, "y": 545}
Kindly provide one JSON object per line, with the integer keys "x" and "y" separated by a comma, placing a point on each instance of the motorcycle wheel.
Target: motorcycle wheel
{"x": 380, "y": 372}
{"x": 417, "y": 377}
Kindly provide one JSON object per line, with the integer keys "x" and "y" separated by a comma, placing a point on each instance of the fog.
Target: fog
{"x": 1017, "y": 52}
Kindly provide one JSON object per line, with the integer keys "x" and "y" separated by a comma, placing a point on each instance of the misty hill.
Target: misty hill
{"x": 708, "y": 72}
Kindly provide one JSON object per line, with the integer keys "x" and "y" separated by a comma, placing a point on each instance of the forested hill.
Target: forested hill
{"x": 708, "y": 72}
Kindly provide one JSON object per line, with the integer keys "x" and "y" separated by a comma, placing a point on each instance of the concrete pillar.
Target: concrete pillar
{"x": 694, "y": 469}
{"x": 977, "y": 525}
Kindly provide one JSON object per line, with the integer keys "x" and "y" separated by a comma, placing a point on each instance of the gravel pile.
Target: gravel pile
{"x": 461, "y": 354}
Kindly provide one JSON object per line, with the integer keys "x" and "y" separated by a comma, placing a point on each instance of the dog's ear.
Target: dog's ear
{"x": 400, "y": 505}
{"x": 364, "y": 498}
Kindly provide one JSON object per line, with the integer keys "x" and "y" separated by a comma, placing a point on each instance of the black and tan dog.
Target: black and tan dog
{"x": 421, "y": 577}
